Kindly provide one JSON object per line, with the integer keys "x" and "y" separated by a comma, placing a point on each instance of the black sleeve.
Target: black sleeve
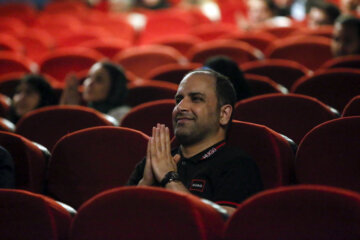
{"x": 137, "y": 174}
{"x": 238, "y": 181}
{"x": 7, "y": 169}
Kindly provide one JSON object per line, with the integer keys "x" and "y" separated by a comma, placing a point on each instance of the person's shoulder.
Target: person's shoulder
{"x": 119, "y": 112}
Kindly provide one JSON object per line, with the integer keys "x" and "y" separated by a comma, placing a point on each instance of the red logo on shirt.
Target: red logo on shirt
{"x": 197, "y": 185}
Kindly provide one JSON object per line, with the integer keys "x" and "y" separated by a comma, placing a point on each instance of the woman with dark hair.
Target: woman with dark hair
{"x": 230, "y": 69}
{"x": 32, "y": 92}
{"x": 104, "y": 90}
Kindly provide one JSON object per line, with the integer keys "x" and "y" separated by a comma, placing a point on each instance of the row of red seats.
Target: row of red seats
{"x": 296, "y": 213}
{"x": 104, "y": 148}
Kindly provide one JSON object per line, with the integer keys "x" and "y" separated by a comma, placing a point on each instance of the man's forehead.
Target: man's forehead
{"x": 198, "y": 82}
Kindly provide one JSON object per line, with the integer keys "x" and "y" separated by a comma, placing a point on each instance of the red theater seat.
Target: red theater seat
{"x": 145, "y": 116}
{"x": 260, "y": 85}
{"x": 290, "y": 114}
{"x": 12, "y": 62}
{"x": 149, "y": 90}
{"x": 334, "y": 87}
{"x": 240, "y": 52}
{"x": 352, "y": 108}
{"x": 311, "y": 52}
{"x": 329, "y": 154}
{"x": 30, "y": 216}
{"x": 30, "y": 161}
{"x": 284, "y": 72}
{"x": 140, "y": 60}
{"x": 139, "y": 213}
{"x": 352, "y": 61}
{"x": 173, "y": 73}
{"x": 89, "y": 161}
{"x": 61, "y": 62}
{"x": 48, "y": 124}
{"x": 297, "y": 213}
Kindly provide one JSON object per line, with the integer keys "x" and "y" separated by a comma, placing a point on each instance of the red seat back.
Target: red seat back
{"x": 311, "y": 52}
{"x": 29, "y": 159}
{"x": 139, "y": 213}
{"x": 145, "y": 116}
{"x": 284, "y": 72}
{"x": 292, "y": 114}
{"x": 89, "y": 161}
{"x": 297, "y": 213}
{"x": 334, "y": 87}
{"x": 329, "y": 154}
{"x": 352, "y": 108}
{"x": 40, "y": 218}
{"x": 48, "y": 124}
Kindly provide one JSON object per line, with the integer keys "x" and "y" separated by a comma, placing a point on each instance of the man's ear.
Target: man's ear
{"x": 225, "y": 114}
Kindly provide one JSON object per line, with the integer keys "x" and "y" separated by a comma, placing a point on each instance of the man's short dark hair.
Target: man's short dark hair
{"x": 225, "y": 91}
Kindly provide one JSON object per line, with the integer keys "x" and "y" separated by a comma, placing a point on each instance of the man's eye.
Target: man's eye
{"x": 177, "y": 100}
{"x": 197, "y": 99}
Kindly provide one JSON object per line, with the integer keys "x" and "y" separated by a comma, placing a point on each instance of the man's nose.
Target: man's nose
{"x": 183, "y": 105}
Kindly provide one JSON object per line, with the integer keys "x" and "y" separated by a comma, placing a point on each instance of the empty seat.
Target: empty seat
{"x": 140, "y": 60}
{"x": 173, "y": 73}
{"x": 30, "y": 161}
{"x": 149, "y": 90}
{"x": 262, "y": 85}
{"x": 352, "y": 61}
{"x": 311, "y": 52}
{"x": 334, "y": 87}
{"x": 107, "y": 47}
{"x": 329, "y": 154}
{"x": 10, "y": 43}
{"x": 139, "y": 213}
{"x": 37, "y": 43}
{"x": 290, "y": 114}
{"x": 240, "y": 52}
{"x": 64, "y": 61}
{"x": 30, "y": 216}
{"x": 211, "y": 31}
{"x": 164, "y": 23}
{"x": 48, "y": 124}
{"x": 182, "y": 43}
{"x": 12, "y": 62}
{"x": 145, "y": 116}
{"x": 352, "y": 108}
{"x": 297, "y": 213}
{"x": 89, "y": 161}
{"x": 284, "y": 72}
{"x": 261, "y": 40}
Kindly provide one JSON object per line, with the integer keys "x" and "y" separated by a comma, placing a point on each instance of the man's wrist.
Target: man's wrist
{"x": 169, "y": 177}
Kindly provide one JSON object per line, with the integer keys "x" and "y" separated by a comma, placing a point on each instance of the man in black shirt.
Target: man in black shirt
{"x": 203, "y": 164}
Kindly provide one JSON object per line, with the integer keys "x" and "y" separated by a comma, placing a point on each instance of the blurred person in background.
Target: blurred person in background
{"x": 351, "y": 7}
{"x": 105, "y": 90}
{"x": 263, "y": 13}
{"x": 346, "y": 36}
{"x": 32, "y": 92}
{"x": 230, "y": 69}
{"x": 322, "y": 13}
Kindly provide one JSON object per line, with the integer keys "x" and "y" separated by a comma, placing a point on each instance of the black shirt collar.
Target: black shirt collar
{"x": 207, "y": 153}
